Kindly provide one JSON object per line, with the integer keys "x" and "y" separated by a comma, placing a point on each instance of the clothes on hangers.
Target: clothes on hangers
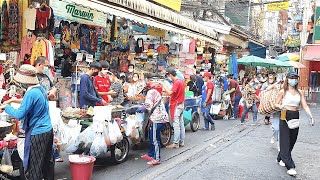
{"x": 27, "y": 44}
{"x": 5, "y": 22}
{"x": 13, "y": 22}
{"x": 42, "y": 16}
{"x": 30, "y": 16}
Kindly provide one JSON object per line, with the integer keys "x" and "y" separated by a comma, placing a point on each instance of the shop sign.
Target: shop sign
{"x": 279, "y": 6}
{"x": 156, "y": 32}
{"x": 173, "y": 4}
{"x": 70, "y": 11}
{"x": 316, "y": 34}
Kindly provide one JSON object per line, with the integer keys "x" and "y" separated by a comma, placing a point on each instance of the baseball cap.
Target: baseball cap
{"x": 292, "y": 75}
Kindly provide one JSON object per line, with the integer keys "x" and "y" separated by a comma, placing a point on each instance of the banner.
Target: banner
{"x": 157, "y": 32}
{"x": 278, "y": 6}
{"x": 173, "y": 4}
{"x": 72, "y": 12}
{"x": 316, "y": 32}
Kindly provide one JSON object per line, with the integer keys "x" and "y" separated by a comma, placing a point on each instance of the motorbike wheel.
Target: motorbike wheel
{"x": 195, "y": 122}
{"x": 120, "y": 151}
{"x": 166, "y": 135}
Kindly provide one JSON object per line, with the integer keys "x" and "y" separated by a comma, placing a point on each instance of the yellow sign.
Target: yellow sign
{"x": 173, "y": 4}
{"x": 278, "y": 6}
{"x": 156, "y": 32}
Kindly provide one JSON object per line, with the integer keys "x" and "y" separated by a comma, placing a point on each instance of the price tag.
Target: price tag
{"x": 79, "y": 57}
{"x": 89, "y": 57}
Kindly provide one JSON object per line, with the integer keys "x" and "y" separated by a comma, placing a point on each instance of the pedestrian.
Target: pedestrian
{"x": 208, "y": 102}
{"x": 235, "y": 96}
{"x": 176, "y": 106}
{"x": 102, "y": 83}
{"x": 34, "y": 109}
{"x": 249, "y": 101}
{"x": 192, "y": 85}
{"x": 157, "y": 119}
{"x": 117, "y": 87}
{"x": 200, "y": 82}
{"x": 88, "y": 94}
{"x": 268, "y": 85}
{"x": 42, "y": 69}
{"x": 291, "y": 99}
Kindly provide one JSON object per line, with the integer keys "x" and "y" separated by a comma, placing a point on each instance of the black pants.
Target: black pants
{"x": 41, "y": 165}
{"x": 288, "y": 138}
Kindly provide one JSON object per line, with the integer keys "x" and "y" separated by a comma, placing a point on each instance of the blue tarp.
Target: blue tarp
{"x": 257, "y": 50}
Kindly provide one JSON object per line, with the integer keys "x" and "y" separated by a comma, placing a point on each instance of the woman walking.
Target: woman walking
{"x": 249, "y": 101}
{"x": 291, "y": 99}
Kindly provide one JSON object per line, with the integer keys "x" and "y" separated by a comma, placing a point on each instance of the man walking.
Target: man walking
{"x": 208, "y": 102}
{"x": 235, "y": 96}
{"x": 176, "y": 107}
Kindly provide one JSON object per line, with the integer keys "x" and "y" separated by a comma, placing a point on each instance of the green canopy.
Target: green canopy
{"x": 254, "y": 61}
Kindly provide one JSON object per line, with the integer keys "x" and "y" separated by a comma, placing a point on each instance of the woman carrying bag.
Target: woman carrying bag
{"x": 291, "y": 99}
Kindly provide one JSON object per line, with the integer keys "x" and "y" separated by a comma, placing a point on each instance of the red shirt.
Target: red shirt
{"x": 209, "y": 86}
{"x": 178, "y": 92}
{"x": 102, "y": 84}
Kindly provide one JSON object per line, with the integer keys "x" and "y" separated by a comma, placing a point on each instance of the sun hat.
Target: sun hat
{"x": 207, "y": 74}
{"x": 26, "y": 74}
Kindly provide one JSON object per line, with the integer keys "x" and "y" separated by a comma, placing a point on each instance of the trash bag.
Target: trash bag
{"x": 6, "y": 163}
{"x": 98, "y": 147}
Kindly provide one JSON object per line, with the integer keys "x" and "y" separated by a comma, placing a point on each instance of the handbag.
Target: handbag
{"x": 268, "y": 101}
{"x": 293, "y": 123}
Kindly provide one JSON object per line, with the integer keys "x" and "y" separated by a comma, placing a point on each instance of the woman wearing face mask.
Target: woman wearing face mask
{"x": 249, "y": 101}
{"x": 291, "y": 99}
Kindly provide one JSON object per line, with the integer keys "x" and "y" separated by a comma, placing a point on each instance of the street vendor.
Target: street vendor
{"x": 102, "y": 83}
{"x": 88, "y": 94}
{"x": 34, "y": 109}
{"x": 42, "y": 66}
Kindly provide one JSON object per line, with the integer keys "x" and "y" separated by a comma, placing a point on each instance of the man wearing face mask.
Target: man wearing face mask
{"x": 42, "y": 68}
{"x": 88, "y": 94}
{"x": 102, "y": 83}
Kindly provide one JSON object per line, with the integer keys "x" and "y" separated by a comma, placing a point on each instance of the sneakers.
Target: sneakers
{"x": 292, "y": 172}
{"x": 173, "y": 146}
{"x": 232, "y": 118}
{"x": 59, "y": 159}
{"x": 154, "y": 163}
{"x": 281, "y": 163}
{"x": 147, "y": 157}
{"x": 272, "y": 140}
{"x": 213, "y": 127}
{"x": 181, "y": 144}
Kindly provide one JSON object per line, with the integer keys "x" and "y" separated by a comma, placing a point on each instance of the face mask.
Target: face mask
{"x": 45, "y": 70}
{"x": 130, "y": 70}
{"x": 292, "y": 82}
{"x": 135, "y": 79}
{"x": 95, "y": 74}
{"x": 105, "y": 72}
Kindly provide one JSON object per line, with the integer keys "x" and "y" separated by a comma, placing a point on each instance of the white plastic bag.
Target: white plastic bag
{"x": 215, "y": 109}
{"x": 87, "y": 136}
{"x": 117, "y": 131}
{"x": 98, "y": 147}
{"x": 6, "y": 163}
{"x": 112, "y": 133}
{"x": 130, "y": 125}
{"x": 20, "y": 147}
{"x": 68, "y": 133}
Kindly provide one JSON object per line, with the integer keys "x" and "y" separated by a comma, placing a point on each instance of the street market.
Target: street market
{"x": 88, "y": 81}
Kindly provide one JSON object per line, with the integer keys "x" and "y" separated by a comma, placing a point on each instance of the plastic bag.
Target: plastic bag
{"x": 106, "y": 136}
{"x": 20, "y": 147}
{"x": 215, "y": 109}
{"x": 130, "y": 125}
{"x": 99, "y": 147}
{"x": 68, "y": 133}
{"x": 6, "y": 163}
{"x": 87, "y": 136}
{"x": 112, "y": 133}
{"x": 117, "y": 131}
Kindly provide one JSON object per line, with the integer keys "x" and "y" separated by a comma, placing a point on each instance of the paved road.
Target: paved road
{"x": 230, "y": 152}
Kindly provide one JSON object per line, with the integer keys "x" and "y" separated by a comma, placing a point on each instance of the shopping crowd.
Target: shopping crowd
{"x": 100, "y": 86}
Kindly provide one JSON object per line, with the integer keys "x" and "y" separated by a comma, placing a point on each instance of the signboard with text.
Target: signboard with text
{"x": 73, "y": 12}
{"x": 279, "y": 6}
{"x": 173, "y": 4}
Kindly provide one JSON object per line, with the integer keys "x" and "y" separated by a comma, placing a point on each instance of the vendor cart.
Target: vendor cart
{"x": 191, "y": 114}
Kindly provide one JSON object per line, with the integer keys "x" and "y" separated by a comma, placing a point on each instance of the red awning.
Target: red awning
{"x": 311, "y": 53}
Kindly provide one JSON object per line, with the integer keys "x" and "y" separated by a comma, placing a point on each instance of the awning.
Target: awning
{"x": 311, "y": 53}
{"x": 125, "y": 13}
{"x": 257, "y": 50}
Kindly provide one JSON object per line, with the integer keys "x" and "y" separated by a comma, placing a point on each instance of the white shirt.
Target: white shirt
{"x": 30, "y": 17}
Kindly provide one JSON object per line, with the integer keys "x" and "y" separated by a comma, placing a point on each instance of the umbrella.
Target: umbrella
{"x": 234, "y": 65}
{"x": 277, "y": 63}
{"x": 296, "y": 64}
{"x": 254, "y": 61}
{"x": 288, "y": 57}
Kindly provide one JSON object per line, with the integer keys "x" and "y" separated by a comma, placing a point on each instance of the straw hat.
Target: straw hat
{"x": 26, "y": 74}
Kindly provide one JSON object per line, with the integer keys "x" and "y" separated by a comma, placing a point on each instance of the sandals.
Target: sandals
{"x": 147, "y": 157}
{"x": 154, "y": 163}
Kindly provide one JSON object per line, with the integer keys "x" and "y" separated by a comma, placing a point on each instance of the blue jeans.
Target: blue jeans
{"x": 275, "y": 125}
{"x": 178, "y": 125}
{"x": 236, "y": 106}
{"x": 246, "y": 110}
{"x": 207, "y": 117}
{"x": 154, "y": 136}
{"x": 313, "y": 79}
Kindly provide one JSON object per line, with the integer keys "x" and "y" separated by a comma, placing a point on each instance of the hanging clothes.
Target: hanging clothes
{"x": 13, "y": 22}
{"x": 30, "y": 16}
{"x": 43, "y": 14}
{"x": 27, "y": 44}
{"x": 75, "y": 35}
{"x": 39, "y": 49}
{"x": 93, "y": 40}
{"x": 5, "y": 22}
{"x": 139, "y": 46}
{"x": 84, "y": 37}
{"x": 65, "y": 34}
{"x": 50, "y": 52}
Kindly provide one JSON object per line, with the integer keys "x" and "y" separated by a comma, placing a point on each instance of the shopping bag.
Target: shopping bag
{"x": 215, "y": 109}
{"x": 6, "y": 163}
{"x": 98, "y": 147}
{"x": 20, "y": 147}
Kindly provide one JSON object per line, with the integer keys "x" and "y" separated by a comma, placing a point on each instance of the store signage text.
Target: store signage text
{"x": 279, "y": 6}
{"x": 65, "y": 10}
{"x": 78, "y": 13}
